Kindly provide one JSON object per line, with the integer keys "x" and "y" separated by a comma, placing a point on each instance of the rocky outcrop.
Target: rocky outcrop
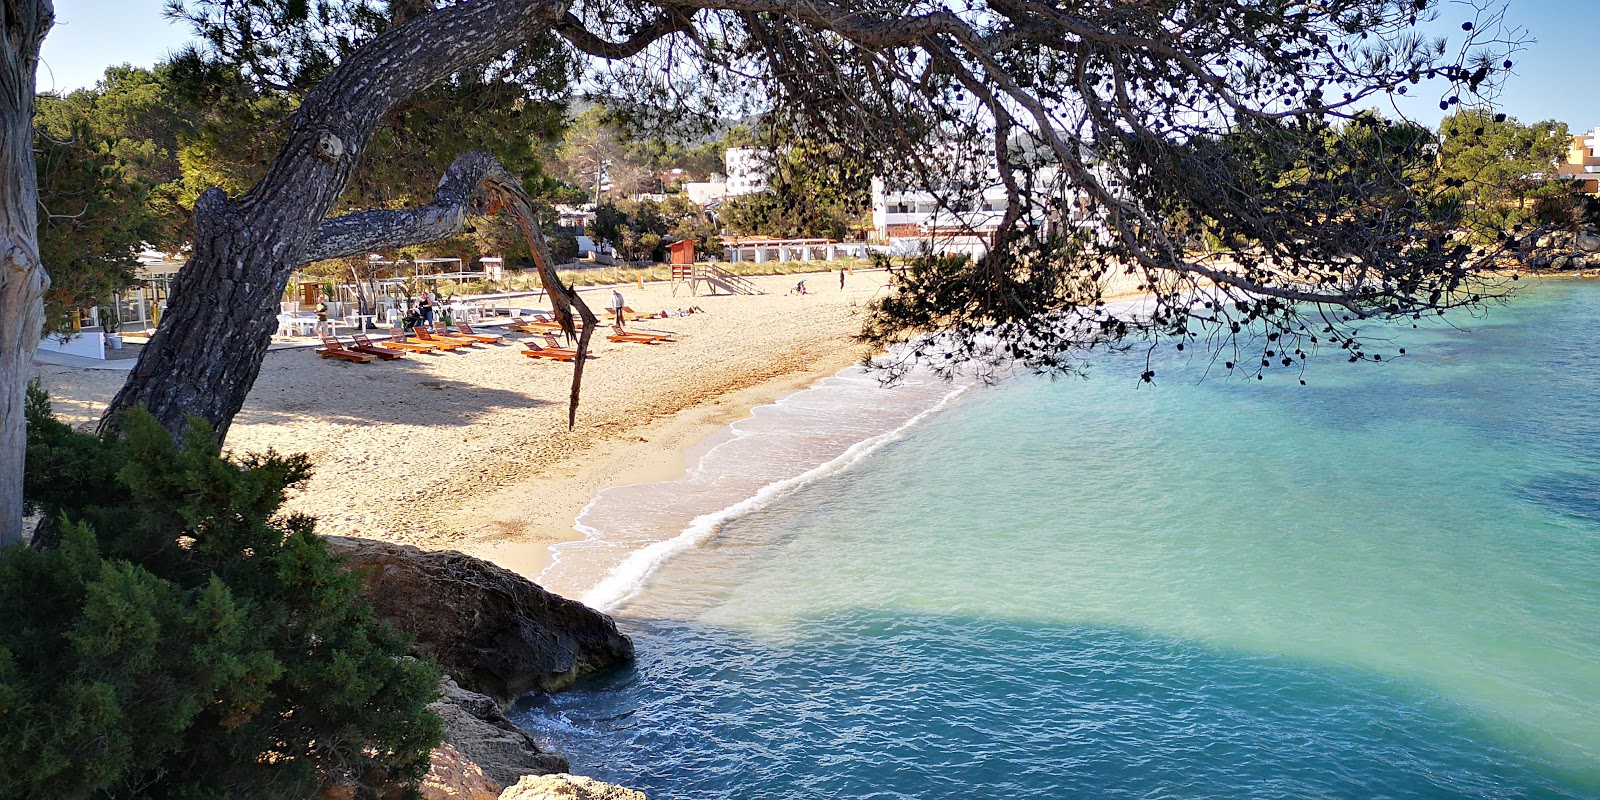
{"x": 453, "y": 776}
{"x": 568, "y": 787}
{"x": 475, "y": 729}
{"x": 1563, "y": 251}
{"x": 494, "y": 631}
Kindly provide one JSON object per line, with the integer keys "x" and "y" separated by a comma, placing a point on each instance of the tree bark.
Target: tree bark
{"x": 207, "y": 351}
{"x": 23, "y": 25}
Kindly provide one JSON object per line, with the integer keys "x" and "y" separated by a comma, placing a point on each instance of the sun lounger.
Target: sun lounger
{"x": 464, "y": 330}
{"x": 552, "y": 343}
{"x": 397, "y": 341}
{"x": 331, "y": 348}
{"x": 443, "y": 344}
{"x": 536, "y": 350}
{"x": 540, "y": 323}
{"x": 529, "y": 325}
{"x": 361, "y": 344}
{"x": 441, "y": 332}
{"x": 620, "y": 335}
{"x": 629, "y": 315}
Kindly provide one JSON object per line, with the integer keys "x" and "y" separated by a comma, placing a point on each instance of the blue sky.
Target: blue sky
{"x": 1555, "y": 78}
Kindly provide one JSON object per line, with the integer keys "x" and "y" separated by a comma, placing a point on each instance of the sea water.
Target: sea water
{"x": 1385, "y": 583}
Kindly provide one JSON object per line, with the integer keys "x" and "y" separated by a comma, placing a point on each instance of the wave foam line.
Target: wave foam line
{"x": 625, "y": 580}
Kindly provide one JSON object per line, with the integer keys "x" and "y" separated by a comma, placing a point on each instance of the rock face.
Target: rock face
{"x": 477, "y": 730}
{"x": 568, "y": 787}
{"x": 494, "y": 631}
{"x": 453, "y": 777}
{"x": 1563, "y": 251}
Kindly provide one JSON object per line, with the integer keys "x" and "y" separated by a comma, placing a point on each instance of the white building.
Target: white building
{"x": 705, "y": 193}
{"x": 574, "y": 216}
{"x": 909, "y": 220}
{"x": 746, "y": 168}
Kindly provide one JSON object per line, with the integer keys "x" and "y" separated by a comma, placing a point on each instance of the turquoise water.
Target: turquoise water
{"x": 1383, "y": 584}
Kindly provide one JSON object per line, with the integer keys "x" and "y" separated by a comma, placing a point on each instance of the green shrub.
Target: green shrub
{"x": 186, "y": 640}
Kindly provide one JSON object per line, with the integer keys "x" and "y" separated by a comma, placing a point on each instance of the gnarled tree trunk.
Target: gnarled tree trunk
{"x": 208, "y": 349}
{"x": 23, "y": 25}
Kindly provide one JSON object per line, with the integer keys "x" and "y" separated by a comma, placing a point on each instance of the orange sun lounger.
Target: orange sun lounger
{"x": 634, "y": 316}
{"x": 465, "y": 331}
{"x": 331, "y": 348}
{"x": 361, "y": 344}
{"x": 620, "y": 335}
{"x": 397, "y": 341}
{"x": 439, "y": 331}
{"x": 536, "y": 350}
{"x": 447, "y": 345}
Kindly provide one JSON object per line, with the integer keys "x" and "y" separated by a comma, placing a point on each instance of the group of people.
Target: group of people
{"x": 422, "y": 312}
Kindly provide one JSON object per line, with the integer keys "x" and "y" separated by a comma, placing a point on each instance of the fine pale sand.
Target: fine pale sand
{"x": 470, "y": 450}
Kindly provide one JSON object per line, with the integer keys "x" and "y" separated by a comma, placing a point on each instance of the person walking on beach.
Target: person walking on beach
{"x": 616, "y": 305}
{"x": 425, "y": 307}
{"x": 841, "y": 279}
{"x": 323, "y": 329}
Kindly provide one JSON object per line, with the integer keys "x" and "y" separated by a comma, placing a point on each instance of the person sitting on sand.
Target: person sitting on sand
{"x": 799, "y": 288}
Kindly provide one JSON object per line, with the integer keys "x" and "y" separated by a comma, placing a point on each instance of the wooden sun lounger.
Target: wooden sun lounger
{"x": 634, "y": 316}
{"x": 541, "y": 323}
{"x": 536, "y": 350}
{"x": 443, "y": 344}
{"x": 529, "y": 325}
{"x": 441, "y": 332}
{"x": 465, "y": 330}
{"x": 620, "y": 335}
{"x": 397, "y": 341}
{"x": 331, "y": 348}
{"x": 552, "y": 343}
{"x": 364, "y": 345}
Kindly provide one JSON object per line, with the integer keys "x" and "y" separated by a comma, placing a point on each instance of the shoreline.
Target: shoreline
{"x": 663, "y": 452}
{"x": 470, "y": 451}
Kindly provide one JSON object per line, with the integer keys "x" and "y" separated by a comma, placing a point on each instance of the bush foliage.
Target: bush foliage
{"x": 185, "y": 640}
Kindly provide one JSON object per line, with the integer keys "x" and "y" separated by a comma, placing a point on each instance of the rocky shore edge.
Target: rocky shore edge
{"x": 1563, "y": 251}
{"x": 497, "y": 636}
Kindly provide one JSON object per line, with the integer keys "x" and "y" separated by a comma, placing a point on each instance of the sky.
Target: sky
{"x": 1555, "y": 78}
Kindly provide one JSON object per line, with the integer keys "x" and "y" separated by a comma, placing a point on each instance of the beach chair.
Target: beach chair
{"x": 424, "y": 336}
{"x": 630, "y": 315}
{"x": 536, "y": 350}
{"x": 528, "y": 325}
{"x": 620, "y": 335}
{"x": 361, "y": 344}
{"x": 441, "y": 331}
{"x": 397, "y": 341}
{"x": 552, "y": 343}
{"x": 332, "y": 348}
{"x": 465, "y": 330}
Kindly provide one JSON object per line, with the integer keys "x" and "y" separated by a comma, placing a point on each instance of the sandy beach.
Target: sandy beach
{"x": 470, "y": 450}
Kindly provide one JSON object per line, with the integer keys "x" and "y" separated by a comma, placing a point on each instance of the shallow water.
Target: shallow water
{"x": 1383, "y": 584}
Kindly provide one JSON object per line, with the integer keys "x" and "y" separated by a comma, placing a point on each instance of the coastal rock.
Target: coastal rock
{"x": 568, "y": 787}
{"x": 1587, "y": 241}
{"x": 452, "y": 776}
{"x": 476, "y": 730}
{"x": 494, "y": 631}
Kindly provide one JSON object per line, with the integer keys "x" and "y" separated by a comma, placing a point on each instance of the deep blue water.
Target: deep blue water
{"x": 1383, "y": 584}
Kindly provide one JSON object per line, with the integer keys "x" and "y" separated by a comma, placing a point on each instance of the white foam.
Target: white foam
{"x": 630, "y": 531}
{"x": 626, "y": 579}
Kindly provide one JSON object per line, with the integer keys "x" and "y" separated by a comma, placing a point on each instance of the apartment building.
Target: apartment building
{"x": 1582, "y": 163}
